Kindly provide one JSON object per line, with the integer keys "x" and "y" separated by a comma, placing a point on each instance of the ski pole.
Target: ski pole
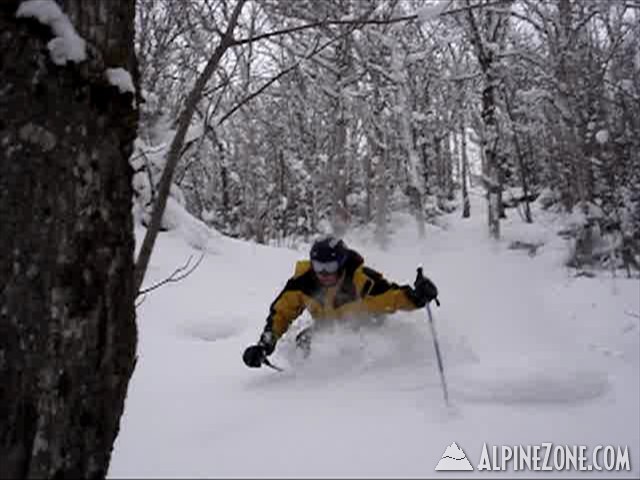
{"x": 438, "y": 355}
{"x": 436, "y": 346}
{"x": 271, "y": 365}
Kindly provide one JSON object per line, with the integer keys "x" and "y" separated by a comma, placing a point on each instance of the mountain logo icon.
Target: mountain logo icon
{"x": 453, "y": 460}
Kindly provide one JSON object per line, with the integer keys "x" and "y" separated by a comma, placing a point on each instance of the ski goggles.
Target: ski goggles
{"x": 325, "y": 267}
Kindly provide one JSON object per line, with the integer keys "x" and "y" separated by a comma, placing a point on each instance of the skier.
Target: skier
{"x": 334, "y": 285}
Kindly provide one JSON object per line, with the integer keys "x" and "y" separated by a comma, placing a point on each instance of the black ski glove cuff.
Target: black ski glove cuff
{"x": 268, "y": 342}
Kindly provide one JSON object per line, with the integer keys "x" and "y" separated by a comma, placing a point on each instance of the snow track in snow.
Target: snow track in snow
{"x": 210, "y": 330}
{"x": 529, "y": 379}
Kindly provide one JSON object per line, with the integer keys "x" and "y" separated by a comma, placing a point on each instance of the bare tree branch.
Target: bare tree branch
{"x": 178, "y": 274}
{"x": 357, "y": 22}
{"x": 253, "y": 95}
{"x": 142, "y": 300}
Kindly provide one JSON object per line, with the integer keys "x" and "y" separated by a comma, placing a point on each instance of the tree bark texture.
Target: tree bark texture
{"x": 67, "y": 318}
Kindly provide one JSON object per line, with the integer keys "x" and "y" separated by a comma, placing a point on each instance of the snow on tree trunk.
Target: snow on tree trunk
{"x": 67, "y": 318}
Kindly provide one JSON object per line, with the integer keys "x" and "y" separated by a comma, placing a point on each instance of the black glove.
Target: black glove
{"x": 424, "y": 290}
{"x": 254, "y": 355}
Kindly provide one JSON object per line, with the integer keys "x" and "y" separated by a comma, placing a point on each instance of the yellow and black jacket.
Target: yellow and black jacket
{"x": 361, "y": 291}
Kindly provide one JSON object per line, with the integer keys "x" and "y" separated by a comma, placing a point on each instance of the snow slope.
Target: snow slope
{"x": 531, "y": 355}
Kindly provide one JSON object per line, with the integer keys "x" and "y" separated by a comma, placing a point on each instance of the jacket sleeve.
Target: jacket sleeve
{"x": 381, "y": 296}
{"x": 287, "y": 306}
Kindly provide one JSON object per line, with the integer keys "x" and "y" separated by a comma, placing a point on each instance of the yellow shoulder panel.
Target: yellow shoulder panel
{"x": 302, "y": 266}
{"x": 359, "y": 279}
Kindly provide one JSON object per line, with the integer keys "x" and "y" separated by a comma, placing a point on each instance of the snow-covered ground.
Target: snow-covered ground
{"x": 531, "y": 353}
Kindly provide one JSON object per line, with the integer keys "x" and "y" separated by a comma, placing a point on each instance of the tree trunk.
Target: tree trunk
{"x": 466, "y": 204}
{"x": 521, "y": 160}
{"x": 448, "y": 167}
{"x": 382, "y": 197}
{"x": 493, "y": 27}
{"x": 340, "y": 156}
{"x": 441, "y": 162}
{"x": 67, "y": 318}
{"x": 492, "y": 172}
{"x": 368, "y": 170}
{"x": 567, "y": 72}
{"x": 417, "y": 190}
{"x": 455, "y": 156}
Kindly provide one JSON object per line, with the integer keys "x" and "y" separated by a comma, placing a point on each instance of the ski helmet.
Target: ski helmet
{"x": 328, "y": 254}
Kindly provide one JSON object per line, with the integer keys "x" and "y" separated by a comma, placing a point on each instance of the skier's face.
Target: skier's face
{"x": 327, "y": 279}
